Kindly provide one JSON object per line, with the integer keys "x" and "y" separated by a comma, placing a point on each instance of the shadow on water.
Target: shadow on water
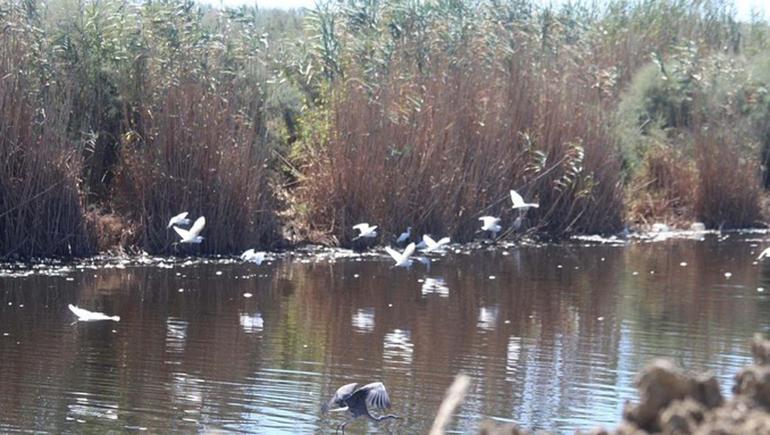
{"x": 551, "y": 336}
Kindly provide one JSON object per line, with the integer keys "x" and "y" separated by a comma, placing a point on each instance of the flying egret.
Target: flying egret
{"x": 764, "y": 254}
{"x": 365, "y": 230}
{"x": 404, "y": 236}
{"x": 192, "y": 235}
{"x": 518, "y": 201}
{"x": 432, "y": 245}
{"x": 402, "y": 258}
{"x": 491, "y": 224}
{"x": 254, "y": 257}
{"x": 358, "y": 400}
{"x": 180, "y": 219}
{"x": 90, "y": 316}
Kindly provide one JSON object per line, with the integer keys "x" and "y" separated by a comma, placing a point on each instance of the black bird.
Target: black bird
{"x": 358, "y": 400}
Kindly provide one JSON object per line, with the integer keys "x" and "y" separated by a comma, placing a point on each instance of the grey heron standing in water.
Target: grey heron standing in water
{"x": 358, "y": 400}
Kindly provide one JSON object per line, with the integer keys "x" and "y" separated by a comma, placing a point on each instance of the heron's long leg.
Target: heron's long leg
{"x": 341, "y": 427}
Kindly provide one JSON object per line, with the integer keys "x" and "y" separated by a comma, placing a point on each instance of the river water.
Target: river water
{"x": 551, "y": 336}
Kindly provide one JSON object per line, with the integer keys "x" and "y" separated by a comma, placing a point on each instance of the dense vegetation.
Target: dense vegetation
{"x": 287, "y": 126}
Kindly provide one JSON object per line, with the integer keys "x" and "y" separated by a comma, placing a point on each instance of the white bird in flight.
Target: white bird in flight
{"x": 518, "y": 201}
{"x": 402, "y": 258}
{"x": 254, "y": 257}
{"x": 404, "y": 236}
{"x": 180, "y": 219}
{"x": 432, "y": 245}
{"x": 90, "y": 316}
{"x": 365, "y": 231}
{"x": 491, "y": 224}
{"x": 764, "y": 254}
{"x": 192, "y": 235}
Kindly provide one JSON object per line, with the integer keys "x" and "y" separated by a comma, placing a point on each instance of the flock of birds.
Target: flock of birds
{"x": 489, "y": 224}
{"x": 351, "y": 397}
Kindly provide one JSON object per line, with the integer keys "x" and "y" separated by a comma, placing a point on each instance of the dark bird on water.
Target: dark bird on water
{"x": 358, "y": 400}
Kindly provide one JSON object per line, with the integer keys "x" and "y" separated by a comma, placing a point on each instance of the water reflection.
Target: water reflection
{"x": 434, "y": 286}
{"x": 553, "y": 342}
{"x": 251, "y": 324}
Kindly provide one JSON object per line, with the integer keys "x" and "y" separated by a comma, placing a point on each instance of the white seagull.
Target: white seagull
{"x": 491, "y": 224}
{"x": 432, "y": 245}
{"x": 404, "y": 236}
{"x": 254, "y": 257}
{"x": 764, "y": 254}
{"x": 365, "y": 231}
{"x": 402, "y": 258}
{"x": 90, "y": 316}
{"x": 180, "y": 219}
{"x": 192, "y": 235}
{"x": 518, "y": 201}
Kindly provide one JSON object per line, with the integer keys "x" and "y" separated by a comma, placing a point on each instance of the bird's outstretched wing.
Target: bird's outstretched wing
{"x": 361, "y": 227}
{"x": 516, "y": 198}
{"x": 339, "y": 397}
{"x": 197, "y": 226}
{"x": 183, "y": 233}
{"x": 178, "y": 218}
{"x": 429, "y": 242}
{"x": 393, "y": 253}
{"x": 763, "y": 254}
{"x": 442, "y": 242}
{"x": 247, "y": 254}
{"x": 489, "y": 220}
{"x": 78, "y": 311}
{"x": 376, "y": 395}
{"x": 408, "y": 251}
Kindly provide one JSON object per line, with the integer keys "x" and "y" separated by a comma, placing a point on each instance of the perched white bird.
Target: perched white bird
{"x": 180, "y": 219}
{"x": 404, "y": 236}
{"x": 764, "y": 254}
{"x": 192, "y": 235}
{"x": 365, "y": 230}
{"x": 432, "y": 245}
{"x": 402, "y": 258}
{"x": 90, "y": 316}
{"x": 491, "y": 224}
{"x": 518, "y": 201}
{"x": 254, "y": 257}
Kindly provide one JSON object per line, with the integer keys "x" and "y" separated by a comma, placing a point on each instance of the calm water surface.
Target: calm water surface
{"x": 551, "y": 336}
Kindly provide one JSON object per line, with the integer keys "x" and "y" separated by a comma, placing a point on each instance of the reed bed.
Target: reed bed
{"x": 200, "y": 154}
{"x": 117, "y": 115}
{"x": 41, "y": 205}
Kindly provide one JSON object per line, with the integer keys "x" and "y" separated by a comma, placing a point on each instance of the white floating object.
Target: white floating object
{"x": 356, "y": 275}
{"x": 652, "y": 272}
{"x": 600, "y": 318}
{"x": 247, "y": 295}
{"x": 492, "y": 277}
{"x": 760, "y": 289}
{"x": 181, "y": 290}
{"x": 90, "y": 316}
{"x": 634, "y": 273}
{"x": 728, "y": 275}
{"x": 559, "y": 266}
{"x": 219, "y": 272}
{"x": 683, "y": 264}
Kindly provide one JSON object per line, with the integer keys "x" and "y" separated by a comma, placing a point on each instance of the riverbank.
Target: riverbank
{"x": 286, "y": 127}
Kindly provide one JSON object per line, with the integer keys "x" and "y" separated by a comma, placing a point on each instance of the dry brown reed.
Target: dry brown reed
{"x": 41, "y": 208}
{"x": 199, "y": 152}
{"x": 440, "y": 149}
{"x": 729, "y": 188}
